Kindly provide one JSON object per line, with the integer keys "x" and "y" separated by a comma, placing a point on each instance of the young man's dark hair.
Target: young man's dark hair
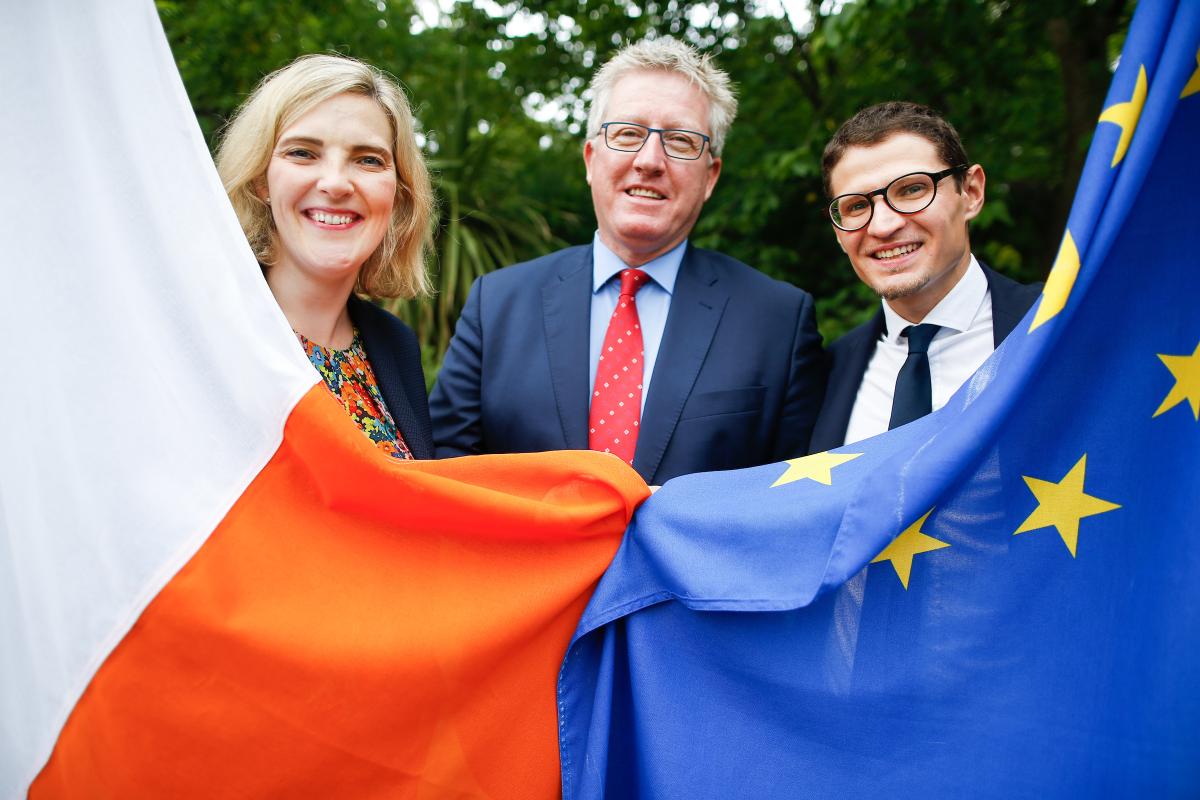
{"x": 878, "y": 122}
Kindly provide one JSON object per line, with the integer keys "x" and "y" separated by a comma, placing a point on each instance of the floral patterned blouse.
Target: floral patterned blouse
{"x": 348, "y": 375}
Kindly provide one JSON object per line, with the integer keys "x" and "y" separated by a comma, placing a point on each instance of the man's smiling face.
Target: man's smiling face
{"x": 646, "y": 203}
{"x": 910, "y": 260}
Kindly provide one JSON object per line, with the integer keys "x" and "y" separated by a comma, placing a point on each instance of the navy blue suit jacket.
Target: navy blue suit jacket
{"x": 849, "y": 356}
{"x": 737, "y": 381}
{"x": 395, "y": 358}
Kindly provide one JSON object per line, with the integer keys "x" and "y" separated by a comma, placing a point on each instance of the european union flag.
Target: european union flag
{"x": 999, "y": 600}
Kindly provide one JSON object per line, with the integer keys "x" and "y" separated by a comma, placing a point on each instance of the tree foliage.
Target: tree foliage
{"x": 499, "y": 90}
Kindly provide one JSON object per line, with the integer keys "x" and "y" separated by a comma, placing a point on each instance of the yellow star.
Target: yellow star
{"x": 1193, "y": 84}
{"x": 1186, "y": 370}
{"x": 1126, "y": 115}
{"x": 1063, "y": 504}
{"x": 909, "y": 543}
{"x": 1059, "y": 284}
{"x": 817, "y": 467}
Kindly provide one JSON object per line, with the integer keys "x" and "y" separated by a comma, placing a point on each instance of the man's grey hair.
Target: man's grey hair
{"x": 668, "y": 55}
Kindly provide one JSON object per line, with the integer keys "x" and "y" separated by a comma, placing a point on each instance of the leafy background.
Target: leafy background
{"x": 499, "y": 92}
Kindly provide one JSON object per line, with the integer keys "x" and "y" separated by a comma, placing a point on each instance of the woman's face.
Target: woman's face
{"x": 331, "y": 184}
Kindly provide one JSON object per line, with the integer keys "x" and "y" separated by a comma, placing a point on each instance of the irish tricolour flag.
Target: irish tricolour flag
{"x": 211, "y": 583}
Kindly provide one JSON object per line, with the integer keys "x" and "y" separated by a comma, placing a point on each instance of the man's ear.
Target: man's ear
{"x": 714, "y": 172}
{"x": 974, "y": 182}
{"x": 588, "y": 153}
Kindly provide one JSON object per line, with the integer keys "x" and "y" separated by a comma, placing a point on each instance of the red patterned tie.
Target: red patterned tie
{"x": 617, "y": 392}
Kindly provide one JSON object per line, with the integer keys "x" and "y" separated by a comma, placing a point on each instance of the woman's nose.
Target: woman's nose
{"x": 335, "y": 179}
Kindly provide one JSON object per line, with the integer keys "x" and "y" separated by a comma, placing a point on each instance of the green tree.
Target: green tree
{"x": 1023, "y": 82}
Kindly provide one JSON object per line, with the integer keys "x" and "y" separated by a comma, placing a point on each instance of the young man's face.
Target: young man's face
{"x": 910, "y": 260}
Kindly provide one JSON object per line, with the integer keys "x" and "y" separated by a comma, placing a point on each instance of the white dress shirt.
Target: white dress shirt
{"x": 653, "y": 303}
{"x": 957, "y": 351}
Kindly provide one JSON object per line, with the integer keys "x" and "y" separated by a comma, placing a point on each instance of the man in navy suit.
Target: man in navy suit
{"x": 903, "y": 192}
{"x": 674, "y": 358}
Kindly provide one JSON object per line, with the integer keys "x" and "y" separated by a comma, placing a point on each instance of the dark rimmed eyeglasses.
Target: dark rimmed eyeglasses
{"x": 908, "y": 194}
{"x": 630, "y": 137}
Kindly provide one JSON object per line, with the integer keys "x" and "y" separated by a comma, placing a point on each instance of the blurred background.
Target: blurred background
{"x": 499, "y": 93}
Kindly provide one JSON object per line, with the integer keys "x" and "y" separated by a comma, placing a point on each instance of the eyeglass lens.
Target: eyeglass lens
{"x": 907, "y": 195}
{"x": 629, "y": 137}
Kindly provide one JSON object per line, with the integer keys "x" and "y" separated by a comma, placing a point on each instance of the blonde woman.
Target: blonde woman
{"x": 323, "y": 168}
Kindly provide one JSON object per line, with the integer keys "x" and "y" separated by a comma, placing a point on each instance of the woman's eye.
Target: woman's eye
{"x": 298, "y": 152}
{"x": 372, "y": 161}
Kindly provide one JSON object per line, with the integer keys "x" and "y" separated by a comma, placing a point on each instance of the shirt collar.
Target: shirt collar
{"x": 662, "y": 270}
{"x": 956, "y": 311}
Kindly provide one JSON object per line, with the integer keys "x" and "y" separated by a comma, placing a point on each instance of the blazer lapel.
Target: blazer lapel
{"x": 1010, "y": 301}
{"x": 391, "y": 352}
{"x": 696, "y": 308}
{"x": 849, "y": 367}
{"x": 566, "y": 312}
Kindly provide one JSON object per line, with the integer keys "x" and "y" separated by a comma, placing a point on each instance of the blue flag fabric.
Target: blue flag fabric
{"x": 1001, "y": 599}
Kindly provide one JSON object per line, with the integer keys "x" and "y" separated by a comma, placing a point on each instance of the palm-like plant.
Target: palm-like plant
{"x": 484, "y": 224}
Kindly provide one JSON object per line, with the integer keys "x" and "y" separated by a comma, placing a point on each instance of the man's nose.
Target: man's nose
{"x": 653, "y": 155}
{"x": 885, "y": 220}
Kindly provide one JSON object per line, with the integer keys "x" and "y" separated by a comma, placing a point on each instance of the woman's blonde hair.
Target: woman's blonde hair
{"x": 397, "y": 267}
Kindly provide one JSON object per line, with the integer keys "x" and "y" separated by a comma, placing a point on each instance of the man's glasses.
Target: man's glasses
{"x": 908, "y": 194}
{"x": 630, "y": 137}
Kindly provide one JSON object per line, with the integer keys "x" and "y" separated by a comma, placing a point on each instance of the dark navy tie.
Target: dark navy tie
{"x": 913, "y": 397}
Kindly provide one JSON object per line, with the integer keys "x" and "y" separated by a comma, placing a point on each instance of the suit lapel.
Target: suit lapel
{"x": 844, "y": 380}
{"x": 1010, "y": 301}
{"x": 378, "y": 340}
{"x": 566, "y": 312}
{"x": 696, "y": 308}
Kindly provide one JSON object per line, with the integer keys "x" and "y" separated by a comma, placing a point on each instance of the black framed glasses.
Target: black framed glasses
{"x": 908, "y": 194}
{"x": 630, "y": 137}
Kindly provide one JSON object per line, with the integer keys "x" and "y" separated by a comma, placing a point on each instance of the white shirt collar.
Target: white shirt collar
{"x": 956, "y": 311}
{"x": 663, "y": 270}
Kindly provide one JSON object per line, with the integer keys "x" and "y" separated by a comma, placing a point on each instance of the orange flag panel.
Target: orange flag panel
{"x": 357, "y": 627}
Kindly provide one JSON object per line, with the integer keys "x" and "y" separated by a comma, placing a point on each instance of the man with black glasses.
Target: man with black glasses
{"x": 673, "y": 358}
{"x": 903, "y": 193}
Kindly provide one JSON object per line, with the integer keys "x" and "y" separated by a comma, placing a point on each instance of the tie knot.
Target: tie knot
{"x": 919, "y": 337}
{"x": 632, "y": 280}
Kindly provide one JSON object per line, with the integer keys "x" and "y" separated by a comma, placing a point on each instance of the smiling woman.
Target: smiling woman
{"x": 323, "y": 169}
